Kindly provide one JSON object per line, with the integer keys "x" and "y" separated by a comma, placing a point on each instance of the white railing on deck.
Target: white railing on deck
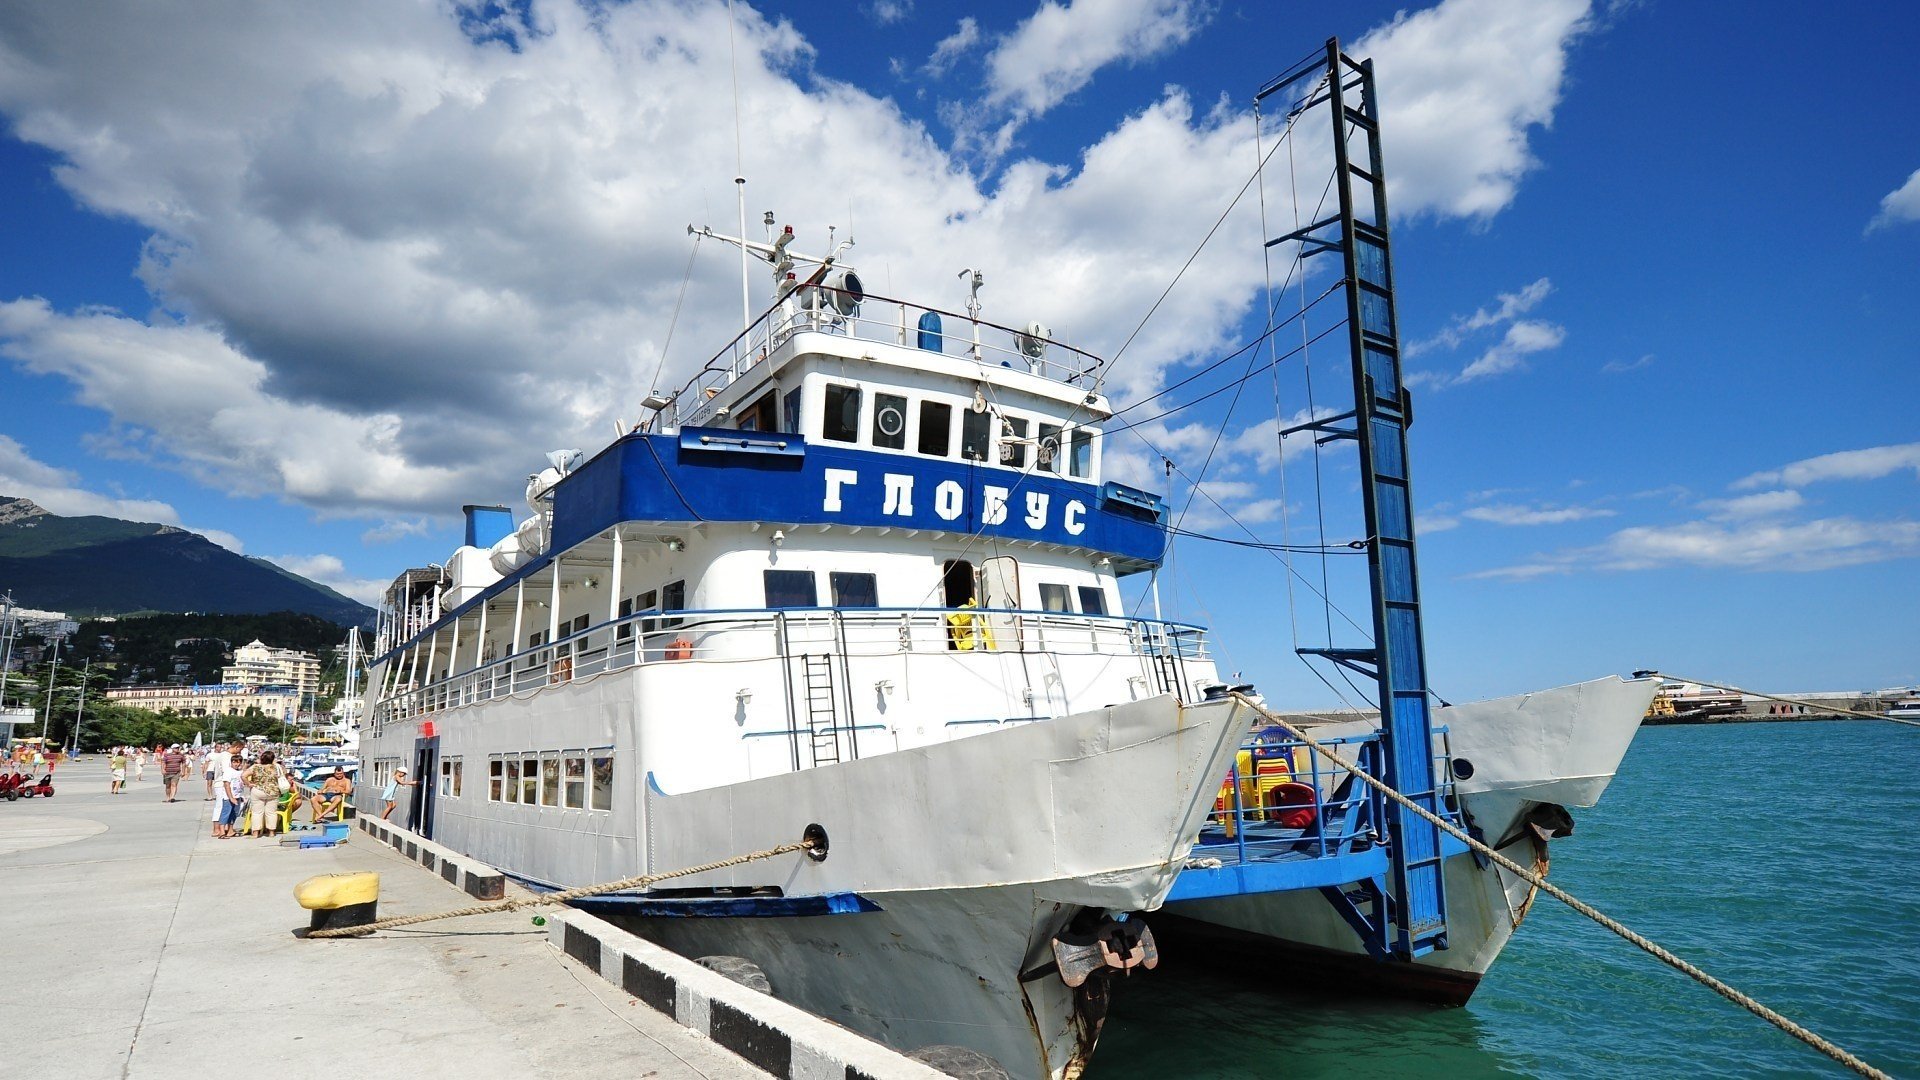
{"x": 759, "y": 634}
{"x": 875, "y": 318}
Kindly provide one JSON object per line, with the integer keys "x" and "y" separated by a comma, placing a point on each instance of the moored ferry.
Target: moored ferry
{"x": 860, "y": 575}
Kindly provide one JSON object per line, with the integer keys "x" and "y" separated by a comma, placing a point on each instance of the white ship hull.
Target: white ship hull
{"x": 975, "y": 852}
{"x": 1554, "y": 747}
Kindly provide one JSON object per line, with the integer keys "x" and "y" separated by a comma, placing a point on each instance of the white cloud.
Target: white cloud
{"x": 888, "y": 12}
{"x": 1522, "y": 339}
{"x": 391, "y": 263}
{"x": 1617, "y": 367}
{"x": 1901, "y": 205}
{"x": 1461, "y": 86}
{"x": 1758, "y": 504}
{"x": 1868, "y": 464}
{"x": 58, "y": 490}
{"x": 392, "y": 529}
{"x": 328, "y": 570}
{"x": 1505, "y": 308}
{"x": 1058, "y": 48}
{"x": 1756, "y": 545}
{"x": 952, "y": 47}
{"x": 1508, "y": 514}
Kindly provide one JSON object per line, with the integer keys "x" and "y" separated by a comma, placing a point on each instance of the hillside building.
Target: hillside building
{"x": 259, "y": 664}
{"x": 220, "y": 699}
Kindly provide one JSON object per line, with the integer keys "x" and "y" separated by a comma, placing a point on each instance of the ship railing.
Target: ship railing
{"x": 868, "y": 317}
{"x": 1284, "y": 799}
{"x": 734, "y": 635}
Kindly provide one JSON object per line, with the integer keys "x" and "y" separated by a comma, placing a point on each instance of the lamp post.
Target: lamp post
{"x": 80, "y": 712}
{"x": 46, "y": 716}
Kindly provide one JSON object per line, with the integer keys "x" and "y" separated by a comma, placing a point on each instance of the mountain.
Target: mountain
{"x": 88, "y": 566}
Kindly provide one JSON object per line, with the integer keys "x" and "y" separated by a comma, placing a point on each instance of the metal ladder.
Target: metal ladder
{"x": 1415, "y": 921}
{"x": 818, "y": 699}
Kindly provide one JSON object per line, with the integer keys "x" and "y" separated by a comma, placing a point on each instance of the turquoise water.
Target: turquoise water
{"x": 1782, "y": 858}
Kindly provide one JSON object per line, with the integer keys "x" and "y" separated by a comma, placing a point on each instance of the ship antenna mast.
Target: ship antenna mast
{"x": 739, "y": 176}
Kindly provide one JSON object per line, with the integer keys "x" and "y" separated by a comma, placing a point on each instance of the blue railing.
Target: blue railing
{"x": 1282, "y": 801}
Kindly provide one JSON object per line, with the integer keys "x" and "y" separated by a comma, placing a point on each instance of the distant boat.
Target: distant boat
{"x": 1905, "y": 709}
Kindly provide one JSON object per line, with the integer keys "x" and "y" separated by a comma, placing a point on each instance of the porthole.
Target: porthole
{"x": 1462, "y": 769}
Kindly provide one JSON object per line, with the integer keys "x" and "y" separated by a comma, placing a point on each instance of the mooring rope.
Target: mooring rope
{"x": 1805, "y": 1035}
{"x": 1834, "y": 709}
{"x": 561, "y": 897}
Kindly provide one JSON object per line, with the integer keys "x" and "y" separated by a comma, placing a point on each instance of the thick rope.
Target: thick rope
{"x": 1805, "y": 1035}
{"x": 1816, "y": 706}
{"x": 561, "y": 897}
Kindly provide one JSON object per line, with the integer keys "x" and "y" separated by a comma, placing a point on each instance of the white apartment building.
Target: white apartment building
{"x": 259, "y": 664}
{"x": 220, "y": 699}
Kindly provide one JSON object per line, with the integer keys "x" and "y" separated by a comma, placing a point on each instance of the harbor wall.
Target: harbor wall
{"x": 778, "y": 1038}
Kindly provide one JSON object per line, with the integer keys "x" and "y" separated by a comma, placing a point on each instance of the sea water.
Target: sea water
{"x": 1783, "y": 858}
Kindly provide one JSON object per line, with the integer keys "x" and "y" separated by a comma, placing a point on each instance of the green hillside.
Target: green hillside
{"x": 90, "y": 566}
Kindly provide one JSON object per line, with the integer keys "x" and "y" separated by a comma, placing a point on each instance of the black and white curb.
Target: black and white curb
{"x": 783, "y": 1040}
{"x": 475, "y": 878}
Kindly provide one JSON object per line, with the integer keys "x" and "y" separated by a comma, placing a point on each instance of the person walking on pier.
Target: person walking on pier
{"x": 118, "y": 763}
{"x": 140, "y": 764}
{"x": 173, "y": 764}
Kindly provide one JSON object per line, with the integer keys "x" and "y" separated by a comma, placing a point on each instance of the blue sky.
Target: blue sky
{"x": 307, "y": 280}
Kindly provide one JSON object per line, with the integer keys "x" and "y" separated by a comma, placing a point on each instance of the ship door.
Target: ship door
{"x": 1000, "y": 591}
{"x": 426, "y": 770}
{"x": 957, "y": 588}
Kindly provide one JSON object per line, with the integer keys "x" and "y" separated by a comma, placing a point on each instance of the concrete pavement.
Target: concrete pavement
{"x": 136, "y": 946}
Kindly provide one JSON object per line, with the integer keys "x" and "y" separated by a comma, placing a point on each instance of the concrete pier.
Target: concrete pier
{"x": 134, "y": 945}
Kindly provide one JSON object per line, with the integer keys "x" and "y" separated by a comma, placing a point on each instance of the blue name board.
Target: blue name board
{"x": 723, "y": 475}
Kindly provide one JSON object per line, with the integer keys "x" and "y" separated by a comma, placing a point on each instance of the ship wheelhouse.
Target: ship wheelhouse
{"x": 845, "y": 536}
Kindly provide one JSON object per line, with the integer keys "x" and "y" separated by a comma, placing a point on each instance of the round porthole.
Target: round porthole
{"x": 1462, "y": 769}
{"x": 890, "y": 421}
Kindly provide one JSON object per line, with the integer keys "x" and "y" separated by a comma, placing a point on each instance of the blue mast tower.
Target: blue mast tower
{"x": 1411, "y": 919}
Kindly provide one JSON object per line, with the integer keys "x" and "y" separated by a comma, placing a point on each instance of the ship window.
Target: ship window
{"x": 496, "y": 776}
{"x": 580, "y": 624}
{"x": 790, "y": 588}
{"x": 973, "y": 435}
{"x": 549, "y": 780}
{"x": 1054, "y": 598}
{"x": 890, "y": 421}
{"x": 673, "y": 597}
{"x": 936, "y": 428}
{"x": 1093, "y": 600}
{"x": 602, "y": 779}
{"x": 759, "y": 415}
{"x": 529, "y": 779}
{"x": 854, "y": 590}
{"x": 512, "y": 786}
{"x": 1081, "y": 463}
{"x": 1049, "y": 451}
{"x": 1013, "y": 451}
{"x": 840, "y": 419}
{"x": 625, "y": 629}
{"x": 792, "y": 402}
{"x": 575, "y": 791}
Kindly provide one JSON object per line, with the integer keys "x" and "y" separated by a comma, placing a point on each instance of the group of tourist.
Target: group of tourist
{"x": 253, "y": 791}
